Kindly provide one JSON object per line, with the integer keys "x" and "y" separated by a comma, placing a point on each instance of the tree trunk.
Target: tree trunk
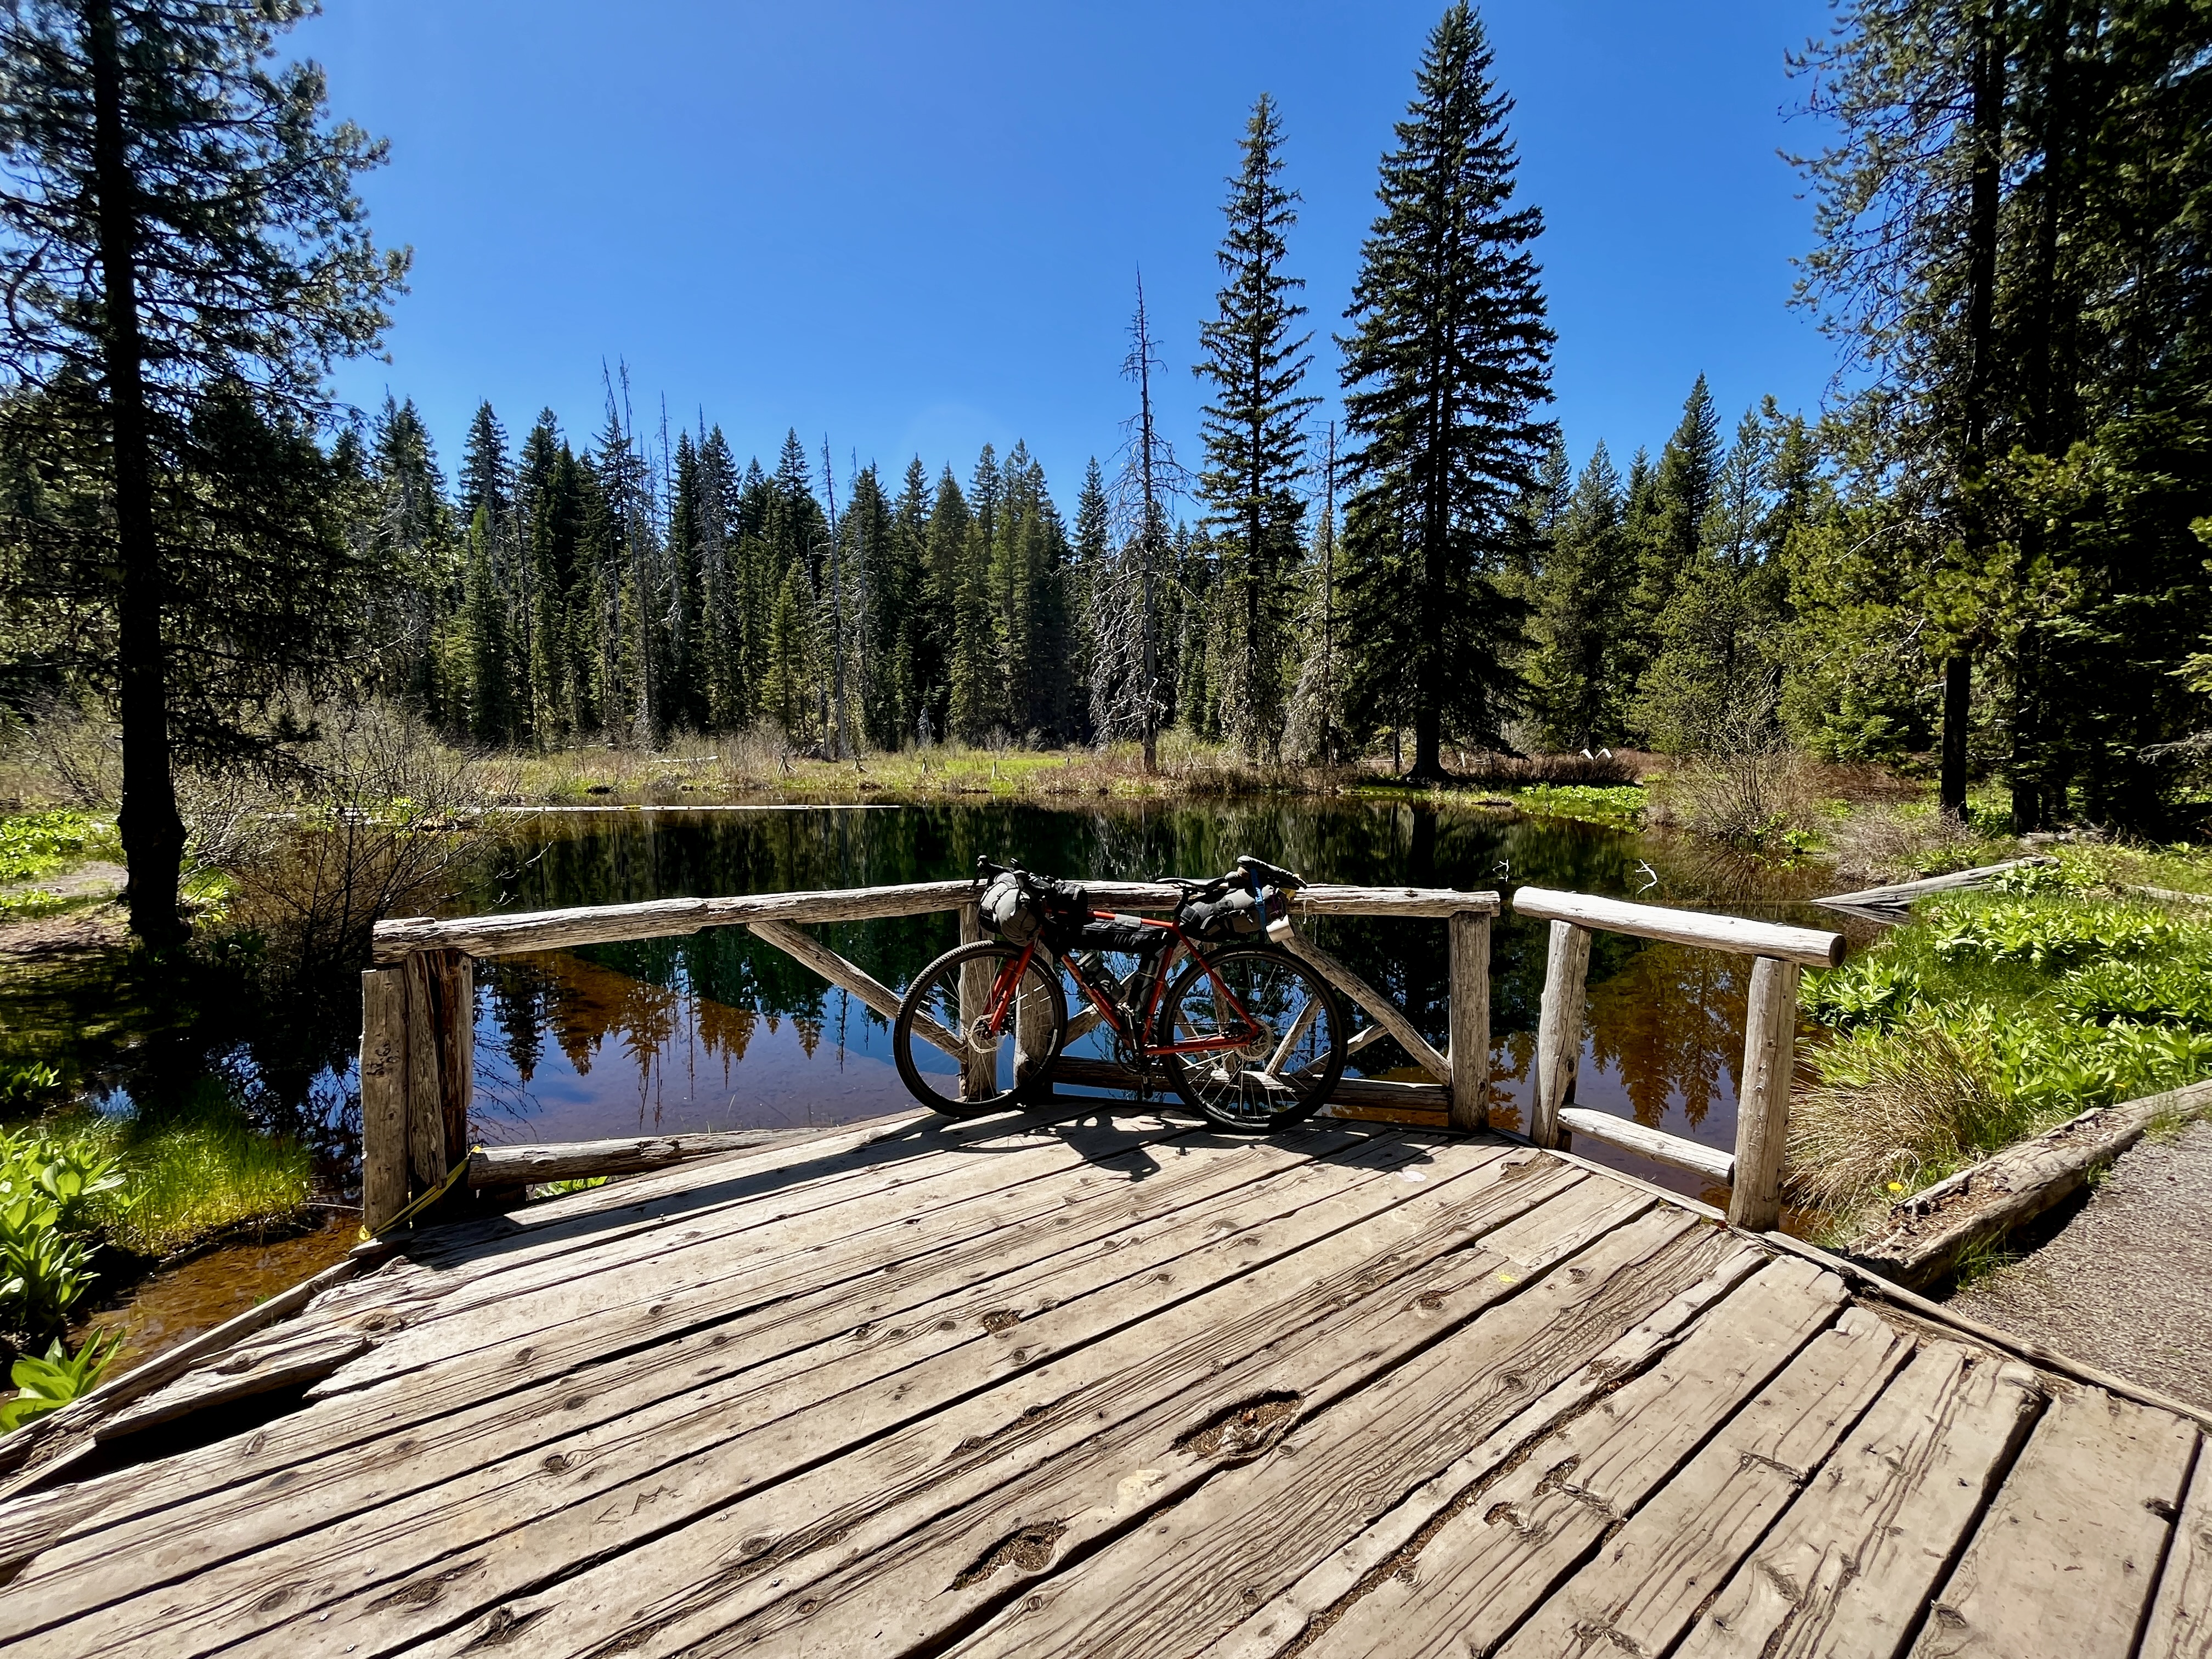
{"x": 1982, "y": 204}
{"x": 153, "y": 835}
{"x": 1958, "y": 684}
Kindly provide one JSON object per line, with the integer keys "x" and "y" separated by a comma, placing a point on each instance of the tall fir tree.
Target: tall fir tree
{"x": 1255, "y": 444}
{"x": 1448, "y": 360}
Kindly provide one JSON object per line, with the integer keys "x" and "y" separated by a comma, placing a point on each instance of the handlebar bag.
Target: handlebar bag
{"x": 1007, "y": 911}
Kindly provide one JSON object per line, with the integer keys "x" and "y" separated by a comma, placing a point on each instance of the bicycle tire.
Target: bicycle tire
{"x": 1258, "y": 974}
{"x": 936, "y": 991}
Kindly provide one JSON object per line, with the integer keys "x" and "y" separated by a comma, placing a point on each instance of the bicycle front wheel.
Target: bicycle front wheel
{"x": 970, "y": 1038}
{"x": 1275, "y": 1033}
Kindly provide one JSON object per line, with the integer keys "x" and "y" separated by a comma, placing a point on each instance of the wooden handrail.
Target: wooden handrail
{"x": 1808, "y": 946}
{"x": 1780, "y": 956}
{"x": 603, "y": 924}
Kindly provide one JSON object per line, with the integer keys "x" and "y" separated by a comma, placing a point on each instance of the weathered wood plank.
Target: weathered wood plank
{"x": 299, "y": 1473}
{"x": 1805, "y": 945}
{"x": 1386, "y": 1012}
{"x": 942, "y": 1576}
{"x": 453, "y": 980}
{"x": 516, "y": 1519}
{"x": 1629, "y": 1136}
{"x": 574, "y": 1160}
{"x": 580, "y": 1301}
{"x": 1847, "y": 1571}
{"x": 1467, "y": 1584}
{"x": 1559, "y": 1030}
{"x": 1258, "y": 1525}
{"x": 1639, "y": 1593}
{"x": 839, "y": 1515}
{"x": 1374, "y": 1094}
{"x": 2181, "y": 1618}
{"x": 2088, "y": 1507}
{"x": 383, "y": 1095}
{"x": 1281, "y": 1621}
{"x": 283, "y": 1358}
{"x": 1762, "y": 1114}
{"x": 1470, "y": 943}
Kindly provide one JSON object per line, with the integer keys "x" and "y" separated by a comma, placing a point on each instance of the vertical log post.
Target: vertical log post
{"x": 1470, "y": 1020}
{"x": 383, "y": 1095}
{"x": 426, "y": 1106}
{"x": 1033, "y": 1026}
{"x": 1762, "y": 1104}
{"x": 456, "y": 1033}
{"x": 417, "y": 1075}
{"x": 1559, "y": 1031}
{"x": 979, "y": 1073}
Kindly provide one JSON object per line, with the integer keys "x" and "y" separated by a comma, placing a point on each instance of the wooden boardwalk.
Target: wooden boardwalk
{"x": 1088, "y": 1385}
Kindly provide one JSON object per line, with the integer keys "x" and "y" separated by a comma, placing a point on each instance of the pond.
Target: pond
{"x": 718, "y": 1031}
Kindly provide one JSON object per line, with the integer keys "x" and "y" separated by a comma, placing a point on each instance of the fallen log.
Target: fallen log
{"x": 1924, "y": 1236}
{"x": 1899, "y": 895}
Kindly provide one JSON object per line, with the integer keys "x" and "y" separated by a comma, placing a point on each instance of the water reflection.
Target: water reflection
{"x": 719, "y": 1030}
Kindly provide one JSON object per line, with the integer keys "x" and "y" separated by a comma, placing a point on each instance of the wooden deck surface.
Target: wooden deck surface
{"x": 1097, "y": 1386}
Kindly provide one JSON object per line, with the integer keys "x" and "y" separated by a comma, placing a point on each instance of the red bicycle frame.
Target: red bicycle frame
{"x": 1109, "y": 1014}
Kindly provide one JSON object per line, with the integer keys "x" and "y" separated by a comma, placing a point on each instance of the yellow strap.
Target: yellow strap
{"x": 423, "y": 1202}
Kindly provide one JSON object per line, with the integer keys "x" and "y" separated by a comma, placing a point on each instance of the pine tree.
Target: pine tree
{"x": 491, "y": 664}
{"x": 951, "y": 527}
{"x": 185, "y": 257}
{"x": 978, "y": 702}
{"x": 1256, "y": 450}
{"x": 413, "y": 533}
{"x": 1576, "y": 690}
{"x": 1448, "y": 357}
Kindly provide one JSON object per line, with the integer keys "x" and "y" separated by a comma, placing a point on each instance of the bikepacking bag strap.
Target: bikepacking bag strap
{"x": 1244, "y": 914}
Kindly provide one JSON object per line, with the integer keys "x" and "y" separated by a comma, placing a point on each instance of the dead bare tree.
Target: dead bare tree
{"x": 1125, "y": 688}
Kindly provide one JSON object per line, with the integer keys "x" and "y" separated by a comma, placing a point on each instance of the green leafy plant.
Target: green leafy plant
{"x": 42, "y": 1271}
{"x": 47, "y": 1383}
{"x": 2039, "y": 934}
{"x": 25, "y": 1088}
{"x": 1867, "y": 992}
{"x": 38, "y": 843}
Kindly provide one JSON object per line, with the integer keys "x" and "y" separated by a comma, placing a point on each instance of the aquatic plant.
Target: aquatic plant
{"x": 203, "y": 1169}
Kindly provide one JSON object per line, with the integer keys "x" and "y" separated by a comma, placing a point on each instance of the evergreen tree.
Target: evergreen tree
{"x": 184, "y": 258}
{"x": 1576, "y": 690}
{"x": 412, "y": 532}
{"x": 951, "y": 528}
{"x": 978, "y": 702}
{"x": 490, "y": 665}
{"x": 1256, "y": 451}
{"x": 1447, "y": 359}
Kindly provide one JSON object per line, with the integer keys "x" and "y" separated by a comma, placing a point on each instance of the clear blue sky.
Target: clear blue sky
{"x": 916, "y": 229}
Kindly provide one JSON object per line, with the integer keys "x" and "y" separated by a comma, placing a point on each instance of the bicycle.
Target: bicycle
{"x": 1248, "y": 1036}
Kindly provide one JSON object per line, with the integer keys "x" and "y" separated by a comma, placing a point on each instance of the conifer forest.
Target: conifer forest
{"x": 1986, "y": 549}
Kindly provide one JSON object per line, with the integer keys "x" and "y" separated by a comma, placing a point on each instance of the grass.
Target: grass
{"x": 1988, "y": 1017}
{"x": 202, "y": 1172}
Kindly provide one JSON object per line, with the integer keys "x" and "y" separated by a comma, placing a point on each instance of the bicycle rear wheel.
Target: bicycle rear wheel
{"x": 953, "y": 1056}
{"x": 1292, "y": 1051}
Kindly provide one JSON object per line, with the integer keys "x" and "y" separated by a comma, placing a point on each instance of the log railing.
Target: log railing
{"x": 417, "y": 1024}
{"x": 1779, "y": 954}
{"x": 417, "y": 1016}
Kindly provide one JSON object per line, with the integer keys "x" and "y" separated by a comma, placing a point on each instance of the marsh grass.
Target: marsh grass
{"x": 200, "y": 1170}
{"x": 1988, "y": 1017}
{"x": 1880, "y": 844}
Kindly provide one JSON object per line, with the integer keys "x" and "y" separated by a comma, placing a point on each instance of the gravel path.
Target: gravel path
{"x": 2127, "y": 1283}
